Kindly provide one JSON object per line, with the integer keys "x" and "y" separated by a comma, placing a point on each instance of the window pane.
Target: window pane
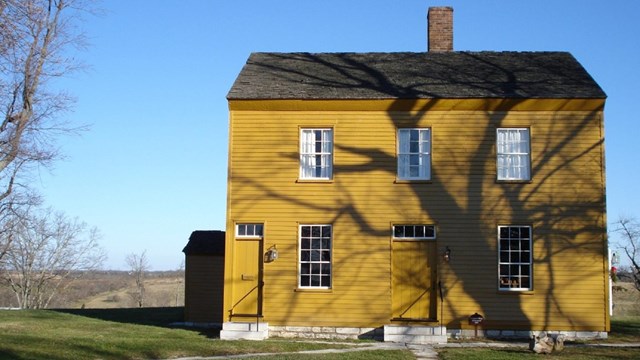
{"x": 326, "y": 256}
{"x": 514, "y": 271}
{"x": 304, "y": 256}
{"x": 430, "y": 232}
{"x": 315, "y": 255}
{"x": 316, "y": 147}
{"x": 305, "y": 231}
{"x": 504, "y": 256}
{"x": 398, "y": 231}
{"x": 305, "y": 269}
{"x": 413, "y": 154}
{"x": 326, "y": 231}
{"x": 316, "y": 260}
{"x": 513, "y": 154}
{"x": 504, "y": 269}
{"x": 315, "y": 231}
{"x": 414, "y": 147}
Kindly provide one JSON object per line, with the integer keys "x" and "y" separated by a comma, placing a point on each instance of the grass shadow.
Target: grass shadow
{"x": 155, "y": 316}
{"x": 625, "y": 329}
{"x": 166, "y": 317}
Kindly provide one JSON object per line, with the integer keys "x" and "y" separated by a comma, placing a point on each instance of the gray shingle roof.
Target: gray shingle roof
{"x": 205, "y": 242}
{"x": 407, "y": 75}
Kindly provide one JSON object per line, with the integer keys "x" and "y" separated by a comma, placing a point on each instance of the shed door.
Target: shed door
{"x": 413, "y": 280}
{"x": 247, "y": 278}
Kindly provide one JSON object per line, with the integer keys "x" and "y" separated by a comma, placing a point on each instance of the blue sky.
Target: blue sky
{"x": 153, "y": 166}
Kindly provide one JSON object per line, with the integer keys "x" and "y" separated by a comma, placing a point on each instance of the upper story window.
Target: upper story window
{"x": 414, "y": 154}
{"x": 316, "y": 154}
{"x": 514, "y": 258}
{"x": 414, "y": 232}
{"x": 513, "y": 154}
{"x": 249, "y": 230}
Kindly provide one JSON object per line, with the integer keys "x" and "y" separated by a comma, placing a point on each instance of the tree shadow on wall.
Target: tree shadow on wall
{"x": 463, "y": 197}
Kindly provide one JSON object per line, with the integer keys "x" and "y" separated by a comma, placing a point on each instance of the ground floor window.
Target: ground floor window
{"x": 315, "y": 256}
{"x": 514, "y": 252}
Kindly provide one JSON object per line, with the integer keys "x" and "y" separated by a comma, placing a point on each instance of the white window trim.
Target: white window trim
{"x": 393, "y": 232}
{"x": 529, "y": 263}
{"x": 306, "y": 155}
{"x": 527, "y": 154}
{"x": 424, "y": 155}
{"x": 254, "y": 224}
{"x": 300, "y": 262}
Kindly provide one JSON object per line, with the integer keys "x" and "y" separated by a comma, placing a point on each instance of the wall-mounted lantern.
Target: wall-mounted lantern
{"x": 271, "y": 255}
{"x": 447, "y": 254}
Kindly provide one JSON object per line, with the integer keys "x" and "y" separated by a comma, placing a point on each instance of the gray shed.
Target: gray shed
{"x": 204, "y": 277}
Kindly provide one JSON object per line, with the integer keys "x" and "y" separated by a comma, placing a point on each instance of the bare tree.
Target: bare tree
{"x": 36, "y": 42}
{"x": 179, "y": 290}
{"x": 629, "y": 242}
{"x": 138, "y": 265}
{"x": 47, "y": 251}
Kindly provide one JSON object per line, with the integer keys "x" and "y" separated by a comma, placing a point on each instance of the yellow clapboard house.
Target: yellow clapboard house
{"x": 397, "y": 194}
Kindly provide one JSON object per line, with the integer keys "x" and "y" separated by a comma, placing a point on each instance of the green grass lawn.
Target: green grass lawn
{"x": 106, "y": 334}
{"x": 623, "y": 330}
{"x": 146, "y": 334}
{"x": 572, "y": 352}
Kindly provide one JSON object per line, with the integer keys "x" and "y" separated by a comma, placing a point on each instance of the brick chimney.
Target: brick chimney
{"x": 440, "y": 29}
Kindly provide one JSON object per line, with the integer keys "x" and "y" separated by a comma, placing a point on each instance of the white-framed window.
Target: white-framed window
{"x": 414, "y": 232}
{"x": 316, "y": 154}
{"x": 249, "y": 230}
{"x": 513, "y": 152}
{"x": 514, "y": 258}
{"x": 315, "y": 256}
{"x": 414, "y": 154}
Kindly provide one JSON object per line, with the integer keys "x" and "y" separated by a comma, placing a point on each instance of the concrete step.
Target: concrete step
{"x": 244, "y": 331}
{"x": 415, "y": 334}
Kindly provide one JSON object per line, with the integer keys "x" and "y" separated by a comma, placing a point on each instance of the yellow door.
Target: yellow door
{"x": 413, "y": 280}
{"x": 247, "y": 278}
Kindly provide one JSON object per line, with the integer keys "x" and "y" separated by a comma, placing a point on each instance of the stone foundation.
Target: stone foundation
{"x": 349, "y": 333}
{"x": 524, "y": 334}
{"x": 325, "y": 332}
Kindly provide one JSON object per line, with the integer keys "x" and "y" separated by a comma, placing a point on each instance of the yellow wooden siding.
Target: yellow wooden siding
{"x": 564, "y": 204}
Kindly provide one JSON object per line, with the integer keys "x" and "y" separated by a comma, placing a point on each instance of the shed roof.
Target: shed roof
{"x": 407, "y": 75}
{"x": 205, "y": 242}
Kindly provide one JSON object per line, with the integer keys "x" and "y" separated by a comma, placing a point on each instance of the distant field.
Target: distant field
{"x": 112, "y": 289}
{"x": 626, "y": 300}
{"x": 159, "y": 292}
